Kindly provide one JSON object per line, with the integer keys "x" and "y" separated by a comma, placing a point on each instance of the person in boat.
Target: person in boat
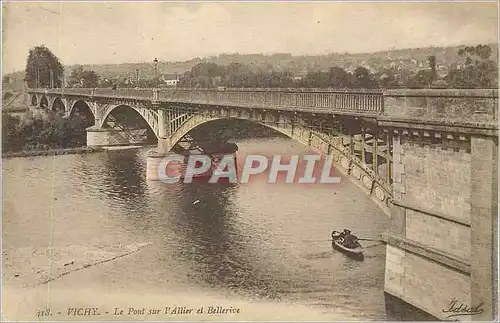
{"x": 346, "y": 232}
{"x": 349, "y": 240}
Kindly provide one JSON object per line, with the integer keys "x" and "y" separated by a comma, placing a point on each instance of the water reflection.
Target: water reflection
{"x": 125, "y": 175}
{"x": 250, "y": 240}
{"x": 207, "y": 229}
{"x": 118, "y": 177}
{"x": 213, "y": 247}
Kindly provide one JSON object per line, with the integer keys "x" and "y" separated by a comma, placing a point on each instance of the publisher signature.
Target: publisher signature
{"x": 459, "y": 309}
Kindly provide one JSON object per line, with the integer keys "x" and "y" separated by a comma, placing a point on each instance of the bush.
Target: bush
{"x": 42, "y": 132}
{"x": 7, "y": 95}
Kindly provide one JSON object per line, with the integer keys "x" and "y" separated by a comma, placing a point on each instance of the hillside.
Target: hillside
{"x": 412, "y": 59}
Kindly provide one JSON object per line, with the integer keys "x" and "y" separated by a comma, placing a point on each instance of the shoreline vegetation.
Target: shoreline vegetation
{"x": 6, "y": 110}
{"x": 48, "y": 134}
{"x": 44, "y": 133}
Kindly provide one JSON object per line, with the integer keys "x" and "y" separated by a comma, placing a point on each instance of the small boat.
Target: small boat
{"x": 338, "y": 242}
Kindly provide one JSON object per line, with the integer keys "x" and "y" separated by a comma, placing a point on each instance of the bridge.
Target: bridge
{"x": 426, "y": 157}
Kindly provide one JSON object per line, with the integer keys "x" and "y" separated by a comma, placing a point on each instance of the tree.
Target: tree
{"x": 422, "y": 79}
{"x": 237, "y": 75}
{"x": 363, "y": 79}
{"x": 483, "y": 51}
{"x": 432, "y": 66}
{"x": 42, "y": 66}
{"x": 11, "y": 139}
{"x": 315, "y": 80}
{"x": 83, "y": 78}
{"x": 477, "y": 73}
{"x": 203, "y": 75}
{"x": 485, "y": 74}
{"x": 460, "y": 78}
{"x": 387, "y": 79}
{"x": 338, "y": 77}
{"x": 468, "y": 61}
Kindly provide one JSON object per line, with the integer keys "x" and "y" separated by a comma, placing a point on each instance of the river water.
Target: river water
{"x": 245, "y": 244}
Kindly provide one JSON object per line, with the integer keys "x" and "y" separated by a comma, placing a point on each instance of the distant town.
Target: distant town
{"x": 473, "y": 66}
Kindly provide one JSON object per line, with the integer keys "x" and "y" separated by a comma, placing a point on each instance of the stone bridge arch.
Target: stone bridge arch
{"x": 350, "y": 166}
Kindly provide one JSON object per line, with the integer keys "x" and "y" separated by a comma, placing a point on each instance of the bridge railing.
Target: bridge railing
{"x": 77, "y": 91}
{"x": 349, "y": 100}
{"x": 119, "y": 93}
{"x": 82, "y": 91}
{"x": 125, "y": 93}
{"x": 316, "y": 99}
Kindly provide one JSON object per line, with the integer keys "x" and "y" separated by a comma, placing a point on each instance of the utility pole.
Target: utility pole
{"x": 156, "y": 71}
{"x": 137, "y": 77}
{"x": 51, "y": 79}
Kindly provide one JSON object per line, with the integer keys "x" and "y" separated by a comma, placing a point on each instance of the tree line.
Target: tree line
{"x": 44, "y": 69}
{"x": 478, "y": 71}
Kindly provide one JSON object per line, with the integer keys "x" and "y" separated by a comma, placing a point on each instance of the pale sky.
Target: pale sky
{"x": 120, "y": 32}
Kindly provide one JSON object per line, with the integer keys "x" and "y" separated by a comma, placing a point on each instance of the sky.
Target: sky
{"x": 121, "y": 32}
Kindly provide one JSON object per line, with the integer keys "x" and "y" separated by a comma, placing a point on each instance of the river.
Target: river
{"x": 106, "y": 237}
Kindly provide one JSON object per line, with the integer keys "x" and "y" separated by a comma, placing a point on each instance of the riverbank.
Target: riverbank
{"x": 14, "y": 109}
{"x": 42, "y": 278}
{"x": 53, "y": 152}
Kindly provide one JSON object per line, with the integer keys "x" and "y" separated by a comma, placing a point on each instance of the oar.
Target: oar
{"x": 373, "y": 245}
{"x": 363, "y": 239}
{"x": 331, "y": 240}
{"x": 376, "y": 240}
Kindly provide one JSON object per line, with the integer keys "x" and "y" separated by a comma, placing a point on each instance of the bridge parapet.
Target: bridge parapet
{"x": 315, "y": 100}
{"x": 63, "y": 91}
{"x": 118, "y": 93}
{"x": 478, "y": 106}
{"x": 125, "y": 93}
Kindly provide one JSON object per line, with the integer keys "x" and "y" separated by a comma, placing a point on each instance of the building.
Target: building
{"x": 170, "y": 79}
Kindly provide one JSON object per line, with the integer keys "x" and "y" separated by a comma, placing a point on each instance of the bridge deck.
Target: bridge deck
{"x": 475, "y": 106}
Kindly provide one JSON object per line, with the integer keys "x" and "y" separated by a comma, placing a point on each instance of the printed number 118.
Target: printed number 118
{"x": 40, "y": 313}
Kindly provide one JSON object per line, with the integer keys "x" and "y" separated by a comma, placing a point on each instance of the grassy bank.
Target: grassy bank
{"x": 52, "y": 152}
{"x": 13, "y": 109}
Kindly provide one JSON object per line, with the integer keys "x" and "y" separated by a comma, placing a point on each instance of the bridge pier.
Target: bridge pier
{"x": 153, "y": 161}
{"x": 98, "y": 136}
{"x": 440, "y": 249}
{"x": 155, "y": 157}
{"x": 164, "y": 144}
{"x": 484, "y": 225}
